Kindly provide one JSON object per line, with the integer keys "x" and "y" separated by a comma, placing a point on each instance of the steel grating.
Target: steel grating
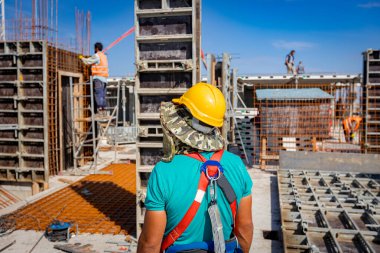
{"x": 329, "y": 211}
{"x": 102, "y": 203}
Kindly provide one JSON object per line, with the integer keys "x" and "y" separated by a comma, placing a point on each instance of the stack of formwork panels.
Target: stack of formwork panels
{"x": 247, "y": 135}
{"x": 371, "y": 101}
{"x": 23, "y": 113}
{"x": 167, "y": 55}
{"x": 126, "y": 102}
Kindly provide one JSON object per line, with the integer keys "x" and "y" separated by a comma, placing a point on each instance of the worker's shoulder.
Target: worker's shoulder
{"x": 180, "y": 161}
{"x": 231, "y": 158}
{"x": 167, "y": 167}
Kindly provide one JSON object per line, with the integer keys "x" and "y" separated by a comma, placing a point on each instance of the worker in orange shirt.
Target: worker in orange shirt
{"x": 351, "y": 125}
{"x": 99, "y": 70}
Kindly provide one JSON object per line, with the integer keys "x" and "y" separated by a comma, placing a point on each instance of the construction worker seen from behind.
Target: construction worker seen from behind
{"x": 99, "y": 70}
{"x": 289, "y": 62}
{"x": 199, "y": 196}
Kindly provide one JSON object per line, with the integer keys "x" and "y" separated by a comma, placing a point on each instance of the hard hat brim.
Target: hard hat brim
{"x": 176, "y": 101}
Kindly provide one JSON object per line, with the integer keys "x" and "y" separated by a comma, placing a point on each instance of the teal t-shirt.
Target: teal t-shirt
{"x": 172, "y": 188}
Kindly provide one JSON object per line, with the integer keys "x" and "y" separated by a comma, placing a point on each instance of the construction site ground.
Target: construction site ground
{"x": 80, "y": 202}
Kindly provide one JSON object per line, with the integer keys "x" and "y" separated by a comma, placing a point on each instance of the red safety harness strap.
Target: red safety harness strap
{"x": 190, "y": 214}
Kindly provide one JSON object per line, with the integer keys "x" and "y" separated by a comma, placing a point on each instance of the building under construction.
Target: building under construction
{"x": 34, "y": 96}
{"x": 315, "y": 179}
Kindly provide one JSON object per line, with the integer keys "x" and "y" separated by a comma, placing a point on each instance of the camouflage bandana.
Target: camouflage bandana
{"x": 180, "y": 137}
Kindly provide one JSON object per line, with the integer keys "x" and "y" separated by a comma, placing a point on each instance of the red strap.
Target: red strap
{"x": 191, "y": 212}
{"x": 217, "y": 156}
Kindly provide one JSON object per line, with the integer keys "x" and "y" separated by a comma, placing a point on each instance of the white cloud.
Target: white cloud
{"x": 370, "y": 5}
{"x": 282, "y": 44}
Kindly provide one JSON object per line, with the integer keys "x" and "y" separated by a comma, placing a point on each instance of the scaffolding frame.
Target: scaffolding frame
{"x": 86, "y": 139}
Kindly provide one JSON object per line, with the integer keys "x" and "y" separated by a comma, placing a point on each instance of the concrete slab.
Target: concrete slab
{"x": 265, "y": 211}
{"x": 25, "y": 240}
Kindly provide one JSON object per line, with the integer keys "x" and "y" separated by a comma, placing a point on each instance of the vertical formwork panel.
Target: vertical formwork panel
{"x": 167, "y": 56}
{"x": 23, "y": 111}
{"x": 371, "y": 101}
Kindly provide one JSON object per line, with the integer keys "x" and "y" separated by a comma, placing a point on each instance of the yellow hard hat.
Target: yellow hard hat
{"x": 205, "y": 102}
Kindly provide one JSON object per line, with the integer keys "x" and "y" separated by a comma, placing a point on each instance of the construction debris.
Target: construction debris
{"x": 65, "y": 180}
{"x": 124, "y": 247}
{"x": 7, "y": 245}
{"x": 75, "y": 248}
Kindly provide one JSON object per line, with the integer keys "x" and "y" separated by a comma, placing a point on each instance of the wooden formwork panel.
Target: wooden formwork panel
{"x": 152, "y": 103}
{"x": 165, "y": 25}
{"x": 165, "y": 51}
{"x": 150, "y": 156}
{"x": 165, "y": 80}
{"x": 8, "y": 75}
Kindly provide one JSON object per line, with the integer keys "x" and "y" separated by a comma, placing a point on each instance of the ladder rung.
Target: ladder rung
{"x": 82, "y": 157}
{"x": 373, "y": 146}
{"x": 81, "y": 96}
{"x": 81, "y": 108}
{"x": 83, "y": 119}
{"x": 373, "y": 133}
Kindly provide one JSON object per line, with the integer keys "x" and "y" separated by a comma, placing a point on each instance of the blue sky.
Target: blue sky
{"x": 329, "y": 36}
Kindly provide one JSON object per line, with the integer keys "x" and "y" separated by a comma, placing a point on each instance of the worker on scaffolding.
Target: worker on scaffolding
{"x": 199, "y": 197}
{"x": 351, "y": 126}
{"x": 289, "y": 63}
{"x": 99, "y": 70}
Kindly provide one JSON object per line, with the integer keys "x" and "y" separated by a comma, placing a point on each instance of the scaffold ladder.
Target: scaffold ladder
{"x": 87, "y": 130}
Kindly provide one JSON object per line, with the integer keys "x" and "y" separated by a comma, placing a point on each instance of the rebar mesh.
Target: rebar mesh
{"x": 307, "y": 124}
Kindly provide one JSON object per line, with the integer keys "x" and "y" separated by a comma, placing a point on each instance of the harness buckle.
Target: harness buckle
{"x": 204, "y": 168}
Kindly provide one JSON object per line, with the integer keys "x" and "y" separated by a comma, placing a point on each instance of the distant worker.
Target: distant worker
{"x": 199, "y": 197}
{"x": 99, "y": 70}
{"x": 351, "y": 125}
{"x": 289, "y": 62}
{"x": 300, "y": 69}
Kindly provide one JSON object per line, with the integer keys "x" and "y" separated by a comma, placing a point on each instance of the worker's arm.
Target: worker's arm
{"x": 91, "y": 60}
{"x": 152, "y": 233}
{"x": 244, "y": 224}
